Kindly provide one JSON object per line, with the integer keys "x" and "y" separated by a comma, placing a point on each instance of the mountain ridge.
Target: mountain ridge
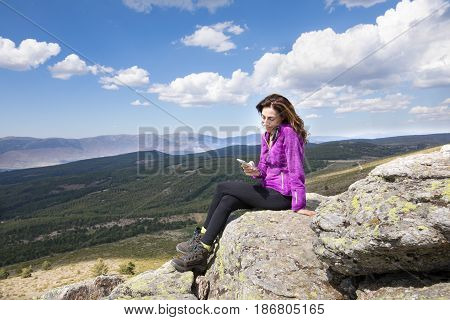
{"x": 26, "y": 152}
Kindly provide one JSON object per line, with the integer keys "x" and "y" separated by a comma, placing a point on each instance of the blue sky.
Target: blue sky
{"x": 208, "y": 62}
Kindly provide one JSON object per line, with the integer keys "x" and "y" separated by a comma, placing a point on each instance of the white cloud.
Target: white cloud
{"x": 72, "y": 65}
{"x": 235, "y": 29}
{"x": 139, "y": 103}
{"x": 146, "y": 6}
{"x": 213, "y": 5}
{"x": 431, "y": 113}
{"x": 312, "y": 116}
{"x": 440, "y": 112}
{"x": 29, "y": 54}
{"x": 353, "y": 3}
{"x": 318, "y": 56}
{"x": 434, "y": 68}
{"x": 418, "y": 58}
{"x": 388, "y": 103}
{"x": 349, "y": 99}
{"x": 205, "y": 88}
{"x": 328, "y": 96}
{"x": 213, "y": 37}
{"x": 132, "y": 77}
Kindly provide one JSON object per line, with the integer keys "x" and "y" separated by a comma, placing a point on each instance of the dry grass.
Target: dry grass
{"x": 147, "y": 252}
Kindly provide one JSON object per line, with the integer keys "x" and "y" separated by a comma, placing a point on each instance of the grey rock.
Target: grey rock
{"x": 164, "y": 283}
{"x": 268, "y": 255}
{"x": 396, "y": 219}
{"x": 201, "y": 287}
{"x": 91, "y": 289}
{"x": 405, "y": 286}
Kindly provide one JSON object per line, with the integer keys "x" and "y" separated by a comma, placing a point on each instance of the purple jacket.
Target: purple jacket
{"x": 281, "y": 165}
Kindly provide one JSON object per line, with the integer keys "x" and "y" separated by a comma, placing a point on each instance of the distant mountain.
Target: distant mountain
{"x": 321, "y": 139}
{"x": 27, "y": 152}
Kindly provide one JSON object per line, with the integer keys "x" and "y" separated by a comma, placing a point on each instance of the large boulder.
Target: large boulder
{"x": 91, "y": 289}
{"x": 268, "y": 255}
{"x": 396, "y": 219}
{"x": 164, "y": 283}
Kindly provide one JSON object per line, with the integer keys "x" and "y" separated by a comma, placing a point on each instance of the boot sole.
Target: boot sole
{"x": 191, "y": 268}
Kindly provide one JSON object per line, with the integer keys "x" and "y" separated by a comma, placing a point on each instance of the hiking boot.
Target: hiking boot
{"x": 188, "y": 246}
{"x": 196, "y": 260}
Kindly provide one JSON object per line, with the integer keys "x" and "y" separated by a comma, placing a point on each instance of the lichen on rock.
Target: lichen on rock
{"x": 396, "y": 219}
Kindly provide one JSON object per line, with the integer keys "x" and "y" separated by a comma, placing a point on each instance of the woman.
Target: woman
{"x": 282, "y": 184}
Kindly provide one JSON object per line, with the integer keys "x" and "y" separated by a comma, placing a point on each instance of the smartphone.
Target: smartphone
{"x": 249, "y": 164}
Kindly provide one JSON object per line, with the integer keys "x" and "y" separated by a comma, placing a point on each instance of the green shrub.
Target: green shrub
{"x": 99, "y": 268}
{"x": 3, "y": 273}
{"x": 46, "y": 265}
{"x": 127, "y": 268}
{"x": 26, "y": 272}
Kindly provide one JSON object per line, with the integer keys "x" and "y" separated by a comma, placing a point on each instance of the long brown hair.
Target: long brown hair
{"x": 285, "y": 109}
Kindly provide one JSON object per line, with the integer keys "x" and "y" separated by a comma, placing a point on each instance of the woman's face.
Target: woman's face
{"x": 270, "y": 118}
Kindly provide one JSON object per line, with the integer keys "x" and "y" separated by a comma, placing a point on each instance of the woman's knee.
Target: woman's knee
{"x": 229, "y": 202}
{"x": 224, "y": 186}
{"x": 229, "y": 198}
{"x": 220, "y": 187}
{"x": 229, "y": 186}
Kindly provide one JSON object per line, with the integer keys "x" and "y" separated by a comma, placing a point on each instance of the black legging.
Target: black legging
{"x": 233, "y": 195}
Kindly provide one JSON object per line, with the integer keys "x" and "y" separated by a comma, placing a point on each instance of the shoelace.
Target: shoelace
{"x": 198, "y": 251}
{"x": 196, "y": 237}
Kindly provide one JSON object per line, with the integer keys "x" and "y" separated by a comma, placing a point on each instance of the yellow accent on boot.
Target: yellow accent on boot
{"x": 207, "y": 247}
{"x": 203, "y": 231}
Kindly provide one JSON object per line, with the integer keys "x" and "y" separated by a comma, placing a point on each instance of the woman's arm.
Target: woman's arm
{"x": 262, "y": 165}
{"x": 293, "y": 146}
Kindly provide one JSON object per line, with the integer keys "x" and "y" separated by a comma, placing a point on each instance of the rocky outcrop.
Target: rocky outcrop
{"x": 92, "y": 289}
{"x": 396, "y": 219}
{"x": 164, "y": 283}
{"x": 268, "y": 255}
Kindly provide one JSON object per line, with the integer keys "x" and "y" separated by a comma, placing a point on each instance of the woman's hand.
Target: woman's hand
{"x": 250, "y": 171}
{"x": 308, "y": 213}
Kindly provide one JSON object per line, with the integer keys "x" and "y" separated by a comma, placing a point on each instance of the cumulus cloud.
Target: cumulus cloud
{"x": 205, "y": 88}
{"x": 312, "y": 116}
{"x": 29, "y": 54}
{"x": 348, "y": 64}
{"x": 440, "y": 112}
{"x": 72, "y": 65}
{"x": 213, "y": 37}
{"x": 349, "y": 99}
{"x": 132, "y": 77}
{"x": 145, "y": 6}
{"x": 318, "y": 56}
{"x": 213, "y": 5}
{"x": 353, "y": 3}
{"x": 387, "y": 103}
{"x": 139, "y": 103}
{"x": 434, "y": 66}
